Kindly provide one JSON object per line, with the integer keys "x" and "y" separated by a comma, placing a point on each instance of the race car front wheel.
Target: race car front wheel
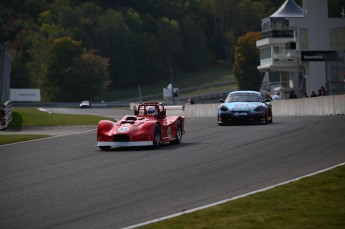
{"x": 179, "y": 133}
{"x": 157, "y": 136}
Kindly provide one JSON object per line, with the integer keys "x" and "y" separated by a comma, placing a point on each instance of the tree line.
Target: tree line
{"x": 69, "y": 46}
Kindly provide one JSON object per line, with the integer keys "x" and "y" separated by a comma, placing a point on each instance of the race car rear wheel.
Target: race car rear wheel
{"x": 179, "y": 133}
{"x": 105, "y": 148}
{"x": 157, "y": 136}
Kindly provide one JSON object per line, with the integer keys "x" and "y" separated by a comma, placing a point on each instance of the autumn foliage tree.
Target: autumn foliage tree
{"x": 246, "y": 61}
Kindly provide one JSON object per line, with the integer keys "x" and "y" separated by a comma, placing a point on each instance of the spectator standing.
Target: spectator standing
{"x": 190, "y": 101}
{"x": 323, "y": 89}
{"x": 277, "y": 96}
{"x": 313, "y": 94}
{"x": 267, "y": 95}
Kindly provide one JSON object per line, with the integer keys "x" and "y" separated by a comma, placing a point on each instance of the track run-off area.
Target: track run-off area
{"x": 67, "y": 182}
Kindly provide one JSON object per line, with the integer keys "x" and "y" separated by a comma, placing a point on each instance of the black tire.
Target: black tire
{"x": 157, "y": 137}
{"x": 220, "y": 123}
{"x": 271, "y": 119}
{"x": 179, "y": 133}
{"x": 105, "y": 148}
{"x": 271, "y": 115}
{"x": 266, "y": 117}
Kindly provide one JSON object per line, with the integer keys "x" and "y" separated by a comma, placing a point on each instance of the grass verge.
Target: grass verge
{"x": 8, "y": 139}
{"x": 26, "y": 117}
{"x": 23, "y": 116}
{"x": 316, "y": 202}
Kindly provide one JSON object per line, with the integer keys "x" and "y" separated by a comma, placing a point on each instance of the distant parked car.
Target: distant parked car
{"x": 245, "y": 106}
{"x": 85, "y": 104}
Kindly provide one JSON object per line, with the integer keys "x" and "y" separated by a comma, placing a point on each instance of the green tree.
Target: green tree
{"x": 20, "y": 51}
{"x": 170, "y": 41}
{"x": 147, "y": 58}
{"x": 37, "y": 67}
{"x": 219, "y": 15}
{"x": 74, "y": 75}
{"x": 194, "y": 52}
{"x": 88, "y": 77}
{"x": 63, "y": 54}
{"x": 246, "y": 61}
{"x": 117, "y": 43}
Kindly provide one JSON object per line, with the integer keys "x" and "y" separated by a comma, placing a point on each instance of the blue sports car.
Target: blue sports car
{"x": 245, "y": 106}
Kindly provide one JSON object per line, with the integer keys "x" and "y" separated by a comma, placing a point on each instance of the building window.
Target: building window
{"x": 303, "y": 34}
{"x": 265, "y": 56}
{"x": 276, "y": 50}
{"x": 338, "y": 39}
{"x": 265, "y": 26}
{"x": 285, "y": 80}
{"x": 274, "y": 77}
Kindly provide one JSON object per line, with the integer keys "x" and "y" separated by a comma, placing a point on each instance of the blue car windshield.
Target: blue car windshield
{"x": 241, "y": 97}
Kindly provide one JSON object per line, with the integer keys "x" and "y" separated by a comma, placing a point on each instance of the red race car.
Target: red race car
{"x": 149, "y": 126}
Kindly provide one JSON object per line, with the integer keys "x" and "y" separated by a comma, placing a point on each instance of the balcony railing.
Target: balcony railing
{"x": 278, "y": 34}
{"x": 280, "y": 61}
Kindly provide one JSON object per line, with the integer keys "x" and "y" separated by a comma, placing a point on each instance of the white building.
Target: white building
{"x": 302, "y": 49}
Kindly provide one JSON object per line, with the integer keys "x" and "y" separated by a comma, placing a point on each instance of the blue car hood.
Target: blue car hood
{"x": 243, "y": 106}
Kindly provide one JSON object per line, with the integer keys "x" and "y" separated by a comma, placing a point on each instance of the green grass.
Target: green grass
{"x": 33, "y": 117}
{"x": 316, "y": 202}
{"x": 8, "y": 139}
{"x": 26, "y": 117}
{"x": 207, "y": 75}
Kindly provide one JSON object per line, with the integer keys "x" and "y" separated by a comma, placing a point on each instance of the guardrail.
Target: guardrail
{"x": 5, "y": 114}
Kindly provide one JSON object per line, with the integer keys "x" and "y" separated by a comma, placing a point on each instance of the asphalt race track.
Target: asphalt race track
{"x": 67, "y": 182}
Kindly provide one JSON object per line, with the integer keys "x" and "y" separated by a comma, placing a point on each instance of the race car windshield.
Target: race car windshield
{"x": 243, "y": 98}
{"x": 151, "y": 111}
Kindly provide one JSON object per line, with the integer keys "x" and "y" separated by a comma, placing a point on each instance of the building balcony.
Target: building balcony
{"x": 278, "y": 64}
{"x": 277, "y": 34}
{"x": 282, "y": 41}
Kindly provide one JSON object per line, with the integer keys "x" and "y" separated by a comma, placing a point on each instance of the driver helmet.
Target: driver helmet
{"x": 151, "y": 110}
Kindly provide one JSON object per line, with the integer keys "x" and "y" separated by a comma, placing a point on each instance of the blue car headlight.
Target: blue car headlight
{"x": 224, "y": 108}
{"x": 260, "y": 109}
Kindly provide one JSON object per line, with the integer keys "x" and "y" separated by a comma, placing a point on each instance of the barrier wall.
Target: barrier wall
{"x": 325, "y": 105}
{"x": 318, "y": 106}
